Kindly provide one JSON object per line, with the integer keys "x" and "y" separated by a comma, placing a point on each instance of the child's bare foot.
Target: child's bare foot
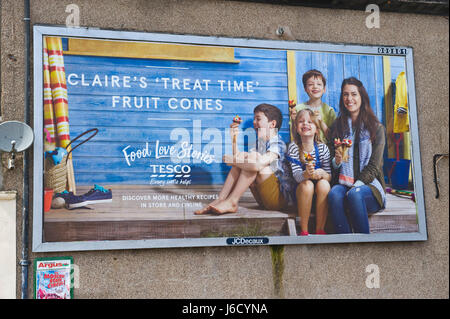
{"x": 224, "y": 207}
{"x": 207, "y": 208}
{"x": 202, "y": 211}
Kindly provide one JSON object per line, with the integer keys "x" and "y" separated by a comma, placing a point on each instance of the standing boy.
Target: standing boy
{"x": 262, "y": 169}
{"x": 315, "y": 86}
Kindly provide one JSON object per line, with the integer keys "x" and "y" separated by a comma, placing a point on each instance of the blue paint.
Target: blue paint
{"x": 137, "y": 103}
{"x": 336, "y": 67}
{"x": 351, "y": 66}
{"x": 334, "y": 79}
{"x": 303, "y": 64}
{"x": 379, "y": 90}
{"x": 65, "y": 43}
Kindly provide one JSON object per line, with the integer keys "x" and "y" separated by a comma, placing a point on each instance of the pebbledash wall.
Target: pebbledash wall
{"x": 407, "y": 269}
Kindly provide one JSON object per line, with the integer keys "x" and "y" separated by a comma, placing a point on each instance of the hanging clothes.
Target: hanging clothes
{"x": 401, "y": 117}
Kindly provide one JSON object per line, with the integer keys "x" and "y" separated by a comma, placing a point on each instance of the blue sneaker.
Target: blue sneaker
{"x": 74, "y": 201}
{"x": 95, "y": 195}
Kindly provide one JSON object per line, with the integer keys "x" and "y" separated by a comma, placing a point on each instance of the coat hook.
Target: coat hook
{"x": 280, "y": 31}
{"x": 436, "y": 159}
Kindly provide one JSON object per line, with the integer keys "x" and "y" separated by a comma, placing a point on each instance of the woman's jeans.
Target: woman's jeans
{"x": 349, "y": 208}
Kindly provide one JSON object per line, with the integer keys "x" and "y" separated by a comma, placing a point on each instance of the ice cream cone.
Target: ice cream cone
{"x": 292, "y": 104}
{"x": 309, "y": 159}
{"x": 236, "y": 122}
{"x": 346, "y": 144}
{"x": 237, "y": 119}
{"x": 344, "y": 153}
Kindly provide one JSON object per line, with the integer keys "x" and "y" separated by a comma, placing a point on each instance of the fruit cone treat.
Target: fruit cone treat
{"x": 309, "y": 159}
{"x": 337, "y": 142}
{"x": 338, "y": 146}
{"x": 346, "y": 144}
{"x": 292, "y": 110}
{"x": 343, "y": 146}
{"x": 292, "y": 104}
{"x": 236, "y": 121}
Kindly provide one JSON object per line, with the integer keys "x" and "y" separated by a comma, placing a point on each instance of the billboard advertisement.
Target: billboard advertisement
{"x": 157, "y": 140}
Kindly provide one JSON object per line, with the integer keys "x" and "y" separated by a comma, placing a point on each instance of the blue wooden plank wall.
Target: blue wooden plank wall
{"x": 336, "y": 67}
{"x": 124, "y": 100}
{"x": 398, "y": 65}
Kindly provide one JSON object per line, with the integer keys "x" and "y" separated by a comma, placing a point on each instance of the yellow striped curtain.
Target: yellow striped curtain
{"x": 49, "y": 116}
{"x": 56, "y": 108}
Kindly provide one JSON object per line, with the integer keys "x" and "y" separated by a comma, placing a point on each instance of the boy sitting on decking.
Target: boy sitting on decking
{"x": 262, "y": 169}
{"x": 315, "y": 86}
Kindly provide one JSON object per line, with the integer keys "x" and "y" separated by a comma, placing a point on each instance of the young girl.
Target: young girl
{"x": 313, "y": 176}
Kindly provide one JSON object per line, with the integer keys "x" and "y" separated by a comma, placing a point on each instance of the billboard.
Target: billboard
{"x": 158, "y": 140}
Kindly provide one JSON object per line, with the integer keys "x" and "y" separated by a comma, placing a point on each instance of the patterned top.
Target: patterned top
{"x": 346, "y": 170}
{"x": 297, "y": 171}
{"x": 280, "y": 167}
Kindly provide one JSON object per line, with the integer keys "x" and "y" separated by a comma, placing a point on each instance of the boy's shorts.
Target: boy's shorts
{"x": 269, "y": 195}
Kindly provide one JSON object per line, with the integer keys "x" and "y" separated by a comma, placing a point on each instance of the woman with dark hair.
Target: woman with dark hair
{"x": 359, "y": 188}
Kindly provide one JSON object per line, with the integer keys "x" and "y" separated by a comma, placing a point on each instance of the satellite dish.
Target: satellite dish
{"x": 15, "y": 136}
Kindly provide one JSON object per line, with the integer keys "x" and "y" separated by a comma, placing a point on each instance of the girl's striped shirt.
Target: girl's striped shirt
{"x": 297, "y": 171}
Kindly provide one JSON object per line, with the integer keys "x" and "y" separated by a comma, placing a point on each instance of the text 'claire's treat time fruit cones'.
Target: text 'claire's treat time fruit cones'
{"x": 343, "y": 146}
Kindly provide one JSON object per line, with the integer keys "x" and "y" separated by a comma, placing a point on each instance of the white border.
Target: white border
{"x": 39, "y": 31}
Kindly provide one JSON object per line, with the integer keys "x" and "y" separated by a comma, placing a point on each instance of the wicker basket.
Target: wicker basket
{"x": 55, "y": 176}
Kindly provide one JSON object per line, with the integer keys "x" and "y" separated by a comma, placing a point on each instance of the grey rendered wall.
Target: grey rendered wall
{"x": 408, "y": 270}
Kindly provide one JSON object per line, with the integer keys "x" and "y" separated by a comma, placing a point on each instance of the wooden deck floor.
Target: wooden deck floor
{"x": 138, "y": 212}
{"x": 399, "y": 216}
